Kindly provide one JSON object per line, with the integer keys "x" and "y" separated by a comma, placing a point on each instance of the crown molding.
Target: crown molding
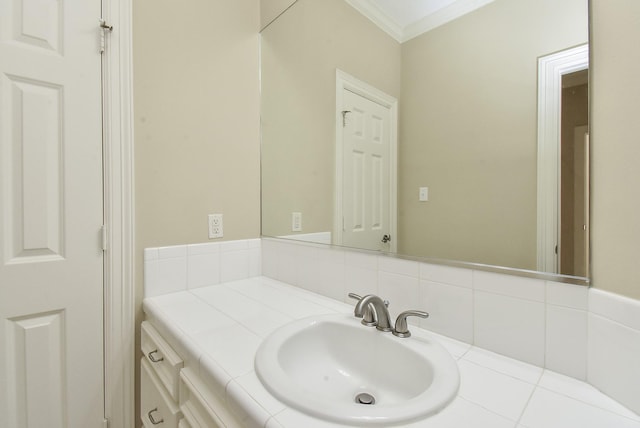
{"x": 428, "y": 23}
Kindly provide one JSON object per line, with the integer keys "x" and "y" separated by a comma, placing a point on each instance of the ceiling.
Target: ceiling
{"x": 406, "y": 19}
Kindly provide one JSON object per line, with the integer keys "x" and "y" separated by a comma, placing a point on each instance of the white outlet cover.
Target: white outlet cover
{"x": 215, "y": 226}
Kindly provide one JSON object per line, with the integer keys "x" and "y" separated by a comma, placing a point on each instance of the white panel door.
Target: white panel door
{"x": 51, "y": 262}
{"x": 366, "y": 173}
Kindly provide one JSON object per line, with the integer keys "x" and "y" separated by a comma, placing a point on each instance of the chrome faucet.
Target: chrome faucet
{"x": 379, "y": 308}
{"x": 401, "y": 329}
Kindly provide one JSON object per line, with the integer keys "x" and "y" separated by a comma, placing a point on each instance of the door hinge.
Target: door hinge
{"x": 105, "y": 423}
{"x": 104, "y": 28}
{"x": 103, "y": 232}
{"x": 344, "y": 117}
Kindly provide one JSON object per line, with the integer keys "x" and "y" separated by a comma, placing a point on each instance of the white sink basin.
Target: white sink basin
{"x": 323, "y": 365}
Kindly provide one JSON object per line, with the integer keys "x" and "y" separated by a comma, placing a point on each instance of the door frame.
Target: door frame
{"x": 119, "y": 290}
{"x": 551, "y": 68}
{"x": 351, "y": 83}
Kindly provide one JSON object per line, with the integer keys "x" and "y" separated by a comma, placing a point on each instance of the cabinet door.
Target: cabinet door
{"x": 157, "y": 409}
{"x": 201, "y": 408}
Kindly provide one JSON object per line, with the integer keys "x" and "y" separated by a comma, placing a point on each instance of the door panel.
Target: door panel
{"x": 51, "y": 263}
{"x": 366, "y": 175}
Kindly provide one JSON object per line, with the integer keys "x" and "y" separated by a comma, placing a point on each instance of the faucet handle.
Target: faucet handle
{"x": 368, "y": 318}
{"x": 401, "y": 329}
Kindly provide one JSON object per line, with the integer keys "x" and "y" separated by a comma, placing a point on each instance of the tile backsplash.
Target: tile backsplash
{"x": 581, "y": 332}
{"x": 183, "y": 267}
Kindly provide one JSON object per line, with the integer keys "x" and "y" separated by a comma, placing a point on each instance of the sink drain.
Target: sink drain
{"x": 364, "y": 398}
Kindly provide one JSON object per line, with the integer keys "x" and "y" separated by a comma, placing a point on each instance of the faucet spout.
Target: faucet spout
{"x": 380, "y": 309}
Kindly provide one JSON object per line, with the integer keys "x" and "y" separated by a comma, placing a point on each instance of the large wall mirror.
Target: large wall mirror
{"x": 461, "y": 137}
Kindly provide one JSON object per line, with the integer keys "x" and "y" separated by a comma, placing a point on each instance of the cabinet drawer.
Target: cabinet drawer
{"x": 162, "y": 358}
{"x": 200, "y": 408}
{"x": 157, "y": 408}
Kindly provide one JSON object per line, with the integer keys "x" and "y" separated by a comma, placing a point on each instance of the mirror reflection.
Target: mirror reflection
{"x": 465, "y": 142}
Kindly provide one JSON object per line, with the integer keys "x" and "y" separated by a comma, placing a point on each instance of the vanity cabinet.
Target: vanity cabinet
{"x": 157, "y": 408}
{"x": 172, "y": 395}
{"x": 200, "y": 407}
{"x": 159, "y": 380}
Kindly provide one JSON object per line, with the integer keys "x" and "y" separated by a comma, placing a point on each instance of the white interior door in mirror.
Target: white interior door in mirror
{"x": 51, "y": 262}
{"x": 366, "y": 173}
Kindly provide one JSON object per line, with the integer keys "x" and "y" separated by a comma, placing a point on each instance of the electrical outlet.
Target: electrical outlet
{"x": 215, "y": 226}
{"x": 296, "y": 222}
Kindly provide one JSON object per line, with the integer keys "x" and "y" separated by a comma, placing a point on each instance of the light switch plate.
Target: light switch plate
{"x": 423, "y": 194}
{"x": 296, "y": 222}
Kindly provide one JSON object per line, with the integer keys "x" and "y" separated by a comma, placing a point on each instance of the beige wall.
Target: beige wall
{"x": 468, "y": 125}
{"x": 615, "y": 119}
{"x": 298, "y": 98}
{"x": 270, "y": 9}
{"x": 196, "y": 101}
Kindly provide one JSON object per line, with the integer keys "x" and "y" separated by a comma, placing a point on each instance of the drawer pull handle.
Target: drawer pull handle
{"x": 153, "y": 421}
{"x": 154, "y": 359}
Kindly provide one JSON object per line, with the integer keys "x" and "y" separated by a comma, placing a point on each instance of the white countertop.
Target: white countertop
{"x": 217, "y": 330}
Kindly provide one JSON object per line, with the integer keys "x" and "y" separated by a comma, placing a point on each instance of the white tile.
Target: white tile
{"x": 255, "y": 261}
{"x": 150, "y": 254}
{"x": 399, "y": 266}
{"x": 321, "y": 270}
{"x": 447, "y": 274}
{"x": 362, "y": 260}
{"x": 613, "y": 355}
{"x": 505, "y": 365}
{"x": 510, "y": 326}
{"x": 254, "y": 387}
{"x": 214, "y": 376}
{"x": 584, "y": 392}
{"x": 360, "y": 281}
{"x": 499, "y": 393}
{"x": 461, "y": 414}
{"x": 291, "y": 418}
{"x": 172, "y": 275}
{"x": 195, "y": 316}
{"x": 566, "y": 341}
{"x": 255, "y": 316}
{"x": 269, "y": 258}
{"x": 233, "y": 348}
{"x": 203, "y": 269}
{"x": 288, "y": 262}
{"x": 232, "y": 246}
{"x": 245, "y": 408}
{"x": 265, "y": 321}
{"x": 618, "y": 308}
{"x": 278, "y": 299}
{"x": 510, "y": 285}
{"x": 234, "y": 265}
{"x": 273, "y": 423}
{"x": 176, "y": 251}
{"x": 181, "y": 298}
{"x": 180, "y": 342}
{"x": 401, "y": 291}
{"x": 151, "y": 280}
{"x": 569, "y": 295}
{"x": 456, "y": 348}
{"x": 450, "y": 310}
{"x": 548, "y": 409}
{"x": 204, "y": 248}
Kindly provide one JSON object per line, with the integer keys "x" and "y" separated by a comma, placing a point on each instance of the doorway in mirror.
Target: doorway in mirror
{"x": 366, "y": 139}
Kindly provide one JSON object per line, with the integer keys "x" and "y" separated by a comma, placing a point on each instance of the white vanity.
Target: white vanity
{"x": 198, "y": 368}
